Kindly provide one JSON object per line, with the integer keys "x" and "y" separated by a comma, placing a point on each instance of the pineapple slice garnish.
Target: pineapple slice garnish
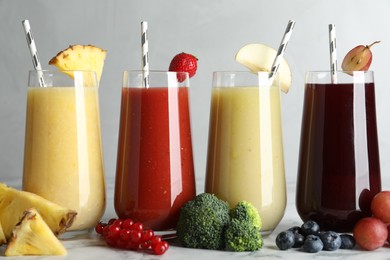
{"x": 2, "y": 236}
{"x": 32, "y": 236}
{"x": 14, "y": 202}
{"x": 80, "y": 57}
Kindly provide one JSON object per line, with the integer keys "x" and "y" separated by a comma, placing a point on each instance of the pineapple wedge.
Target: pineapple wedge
{"x": 14, "y": 202}
{"x": 80, "y": 57}
{"x": 32, "y": 236}
{"x": 2, "y": 236}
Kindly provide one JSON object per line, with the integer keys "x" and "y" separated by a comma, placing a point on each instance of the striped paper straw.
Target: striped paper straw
{"x": 282, "y": 48}
{"x": 33, "y": 51}
{"x": 333, "y": 53}
{"x": 145, "y": 54}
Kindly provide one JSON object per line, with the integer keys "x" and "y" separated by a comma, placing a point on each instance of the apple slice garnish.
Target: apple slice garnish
{"x": 359, "y": 58}
{"x": 260, "y": 57}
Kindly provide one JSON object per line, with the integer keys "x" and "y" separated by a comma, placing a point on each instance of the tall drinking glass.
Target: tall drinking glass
{"x": 155, "y": 171}
{"x": 63, "y": 159}
{"x": 245, "y": 152}
{"x": 338, "y": 171}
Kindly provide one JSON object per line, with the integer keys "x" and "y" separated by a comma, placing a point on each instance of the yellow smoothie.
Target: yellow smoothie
{"x": 63, "y": 152}
{"x": 245, "y": 153}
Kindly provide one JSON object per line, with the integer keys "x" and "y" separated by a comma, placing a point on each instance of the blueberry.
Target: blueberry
{"x": 295, "y": 229}
{"x": 312, "y": 244}
{"x": 347, "y": 241}
{"x": 285, "y": 240}
{"x": 331, "y": 240}
{"x": 310, "y": 228}
{"x": 299, "y": 239}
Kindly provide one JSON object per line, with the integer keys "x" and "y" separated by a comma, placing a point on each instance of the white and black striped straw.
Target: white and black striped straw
{"x": 145, "y": 54}
{"x": 333, "y": 53}
{"x": 282, "y": 48}
{"x": 33, "y": 51}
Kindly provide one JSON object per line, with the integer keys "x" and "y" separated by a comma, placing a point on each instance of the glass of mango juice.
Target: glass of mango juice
{"x": 245, "y": 147}
{"x": 63, "y": 160}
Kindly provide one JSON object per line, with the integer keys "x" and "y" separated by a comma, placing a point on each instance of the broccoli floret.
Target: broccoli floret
{"x": 242, "y": 236}
{"x": 243, "y": 231}
{"x": 245, "y": 211}
{"x": 203, "y": 221}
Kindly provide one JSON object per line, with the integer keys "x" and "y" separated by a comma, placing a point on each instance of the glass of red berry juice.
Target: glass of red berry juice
{"x": 155, "y": 171}
{"x": 338, "y": 169}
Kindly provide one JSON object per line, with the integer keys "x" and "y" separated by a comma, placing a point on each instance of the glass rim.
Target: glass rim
{"x": 62, "y": 78}
{"x": 157, "y": 79}
{"x": 339, "y": 77}
{"x": 243, "y": 72}
{"x": 248, "y": 79}
{"x": 156, "y": 71}
{"x": 61, "y": 71}
{"x": 339, "y": 71}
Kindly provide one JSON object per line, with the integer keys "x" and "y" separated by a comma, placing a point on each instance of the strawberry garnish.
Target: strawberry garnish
{"x": 184, "y": 62}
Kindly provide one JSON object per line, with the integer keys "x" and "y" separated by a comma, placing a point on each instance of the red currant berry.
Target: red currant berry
{"x": 111, "y": 241}
{"x": 125, "y": 234}
{"x": 138, "y": 226}
{"x": 105, "y": 230}
{"x": 113, "y": 231}
{"x": 127, "y": 223}
{"x": 160, "y": 248}
{"x": 147, "y": 235}
{"x": 155, "y": 240}
{"x": 120, "y": 243}
{"x": 145, "y": 244}
{"x": 118, "y": 222}
{"x": 99, "y": 228}
{"x": 165, "y": 243}
{"x": 111, "y": 221}
{"x": 132, "y": 246}
{"x": 136, "y": 236}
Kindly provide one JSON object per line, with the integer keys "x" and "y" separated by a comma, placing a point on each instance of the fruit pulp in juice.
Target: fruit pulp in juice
{"x": 63, "y": 152}
{"x": 245, "y": 153}
{"x": 155, "y": 172}
{"x": 338, "y": 171}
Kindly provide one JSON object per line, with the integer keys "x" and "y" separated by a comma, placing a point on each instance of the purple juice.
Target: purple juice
{"x": 338, "y": 170}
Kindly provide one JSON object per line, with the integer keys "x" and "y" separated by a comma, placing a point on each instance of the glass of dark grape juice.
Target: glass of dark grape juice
{"x": 338, "y": 168}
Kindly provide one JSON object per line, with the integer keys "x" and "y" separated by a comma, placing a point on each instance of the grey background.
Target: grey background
{"x": 211, "y": 30}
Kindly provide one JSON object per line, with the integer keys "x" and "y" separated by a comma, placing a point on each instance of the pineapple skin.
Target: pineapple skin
{"x": 32, "y": 236}
{"x": 2, "y": 236}
{"x": 80, "y": 57}
{"x": 13, "y": 204}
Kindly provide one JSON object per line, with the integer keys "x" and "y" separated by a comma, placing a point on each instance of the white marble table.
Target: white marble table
{"x": 91, "y": 247}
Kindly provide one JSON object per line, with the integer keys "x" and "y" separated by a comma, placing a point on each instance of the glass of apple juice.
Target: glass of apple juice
{"x": 245, "y": 147}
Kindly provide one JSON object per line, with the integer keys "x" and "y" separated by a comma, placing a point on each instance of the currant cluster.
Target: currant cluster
{"x": 130, "y": 235}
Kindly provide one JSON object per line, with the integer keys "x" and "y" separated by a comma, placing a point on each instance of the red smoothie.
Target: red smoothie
{"x": 155, "y": 172}
{"x": 339, "y": 170}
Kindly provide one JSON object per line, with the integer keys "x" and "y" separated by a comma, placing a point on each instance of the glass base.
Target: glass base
{"x": 265, "y": 233}
{"x": 86, "y": 233}
{"x": 76, "y": 234}
{"x": 166, "y": 234}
